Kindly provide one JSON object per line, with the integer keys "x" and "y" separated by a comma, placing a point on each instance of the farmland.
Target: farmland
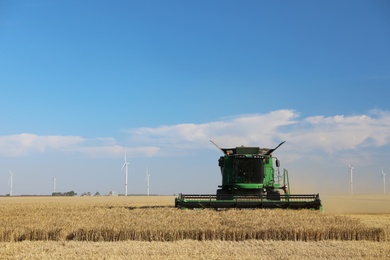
{"x": 149, "y": 227}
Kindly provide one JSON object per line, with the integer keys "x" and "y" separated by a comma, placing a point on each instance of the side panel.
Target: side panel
{"x": 226, "y": 164}
{"x": 269, "y": 172}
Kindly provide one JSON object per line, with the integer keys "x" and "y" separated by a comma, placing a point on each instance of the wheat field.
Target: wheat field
{"x": 149, "y": 227}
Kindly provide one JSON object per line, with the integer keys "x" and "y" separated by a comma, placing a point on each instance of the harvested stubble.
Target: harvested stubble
{"x": 190, "y": 249}
{"x": 93, "y": 220}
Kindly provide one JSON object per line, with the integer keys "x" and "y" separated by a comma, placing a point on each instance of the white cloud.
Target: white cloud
{"x": 340, "y": 132}
{"x": 15, "y": 145}
{"x": 116, "y": 151}
{"x": 22, "y": 144}
{"x": 240, "y": 130}
{"x": 327, "y": 134}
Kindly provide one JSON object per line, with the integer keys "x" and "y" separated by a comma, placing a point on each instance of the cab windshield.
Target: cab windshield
{"x": 248, "y": 170}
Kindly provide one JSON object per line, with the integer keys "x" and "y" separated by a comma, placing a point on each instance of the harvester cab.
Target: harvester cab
{"x": 249, "y": 180}
{"x": 250, "y": 171}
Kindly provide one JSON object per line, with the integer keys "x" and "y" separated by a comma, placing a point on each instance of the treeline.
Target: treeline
{"x": 69, "y": 193}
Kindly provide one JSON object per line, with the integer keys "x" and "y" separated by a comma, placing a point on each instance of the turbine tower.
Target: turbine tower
{"x": 11, "y": 175}
{"x": 351, "y": 177}
{"x": 125, "y": 166}
{"x": 147, "y": 180}
{"x": 54, "y": 184}
{"x": 384, "y": 181}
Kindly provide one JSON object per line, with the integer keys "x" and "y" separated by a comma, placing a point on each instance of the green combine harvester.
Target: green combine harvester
{"x": 249, "y": 180}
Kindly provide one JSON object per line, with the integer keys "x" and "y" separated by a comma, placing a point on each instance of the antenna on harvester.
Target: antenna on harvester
{"x": 54, "y": 184}
{"x": 351, "y": 177}
{"x": 384, "y": 181}
{"x": 11, "y": 175}
{"x": 125, "y": 166}
{"x": 147, "y": 180}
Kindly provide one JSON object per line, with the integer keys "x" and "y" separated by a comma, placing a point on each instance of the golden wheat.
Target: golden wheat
{"x": 151, "y": 219}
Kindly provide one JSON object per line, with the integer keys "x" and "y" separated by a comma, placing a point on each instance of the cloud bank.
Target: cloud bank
{"x": 316, "y": 133}
{"x": 328, "y": 134}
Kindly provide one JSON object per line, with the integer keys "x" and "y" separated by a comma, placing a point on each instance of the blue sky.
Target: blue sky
{"x": 81, "y": 80}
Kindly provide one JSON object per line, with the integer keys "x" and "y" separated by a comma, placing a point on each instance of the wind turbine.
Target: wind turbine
{"x": 125, "y": 166}
{"x": 11, "y": 175}
{"x": 147, "y": 180}
{"x": 351, "y": 175}
{"x": 384, "y": 181}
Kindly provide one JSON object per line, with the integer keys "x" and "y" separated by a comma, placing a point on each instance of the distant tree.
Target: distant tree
{"x": 97, "y": 194}
{"x": 69, "y": 193}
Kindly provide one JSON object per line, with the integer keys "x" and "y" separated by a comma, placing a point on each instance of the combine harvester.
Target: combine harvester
{"x": 249, "y": 180}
